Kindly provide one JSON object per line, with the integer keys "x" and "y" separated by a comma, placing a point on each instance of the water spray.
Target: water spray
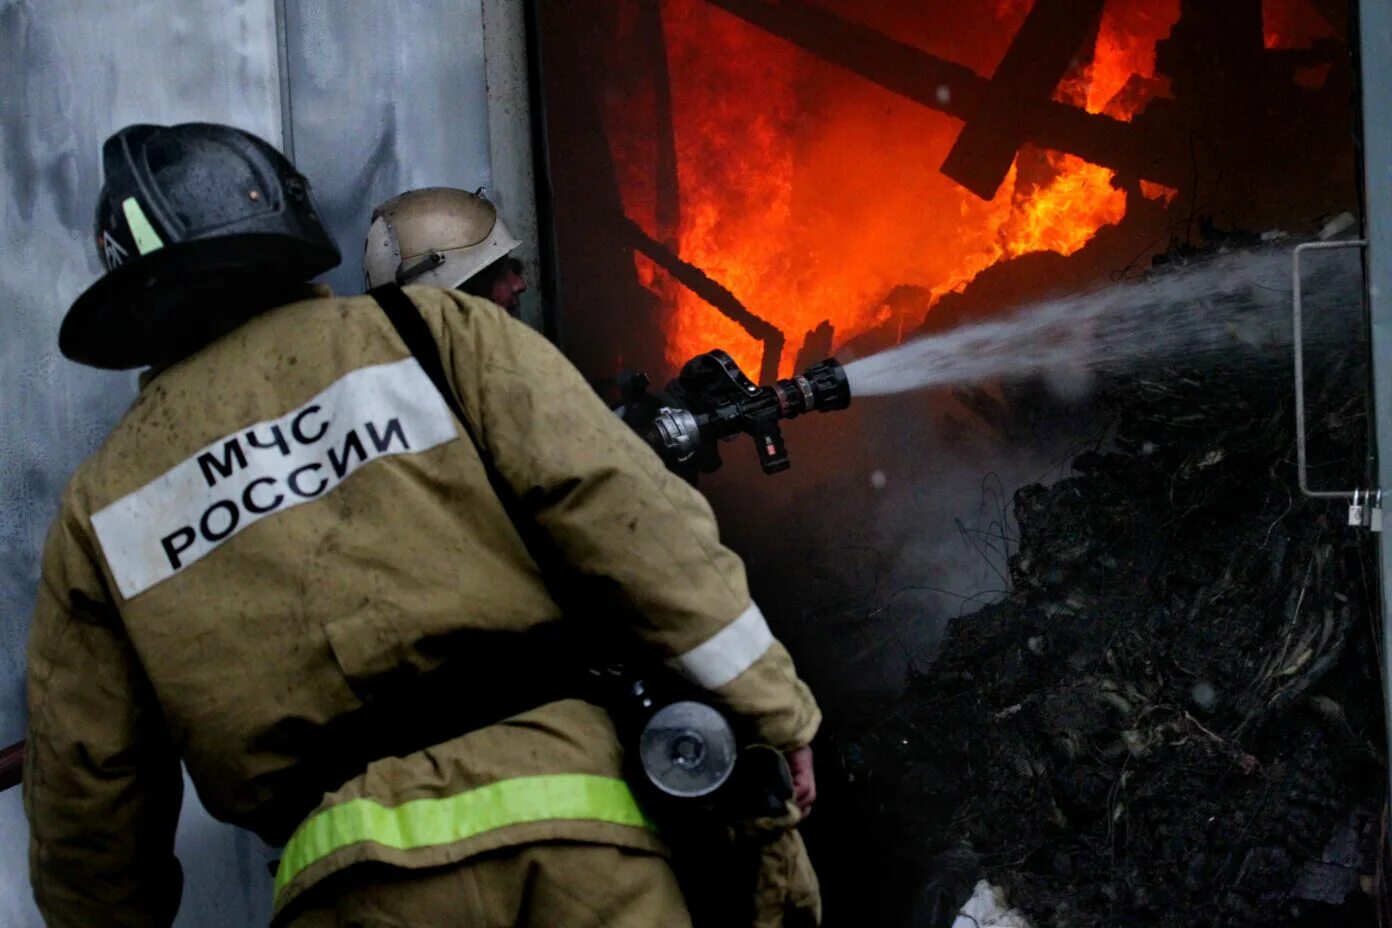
{"x": 1233, "y": 308}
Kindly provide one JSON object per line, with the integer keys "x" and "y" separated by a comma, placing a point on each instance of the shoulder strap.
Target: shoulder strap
{"x": 407, "y": 321}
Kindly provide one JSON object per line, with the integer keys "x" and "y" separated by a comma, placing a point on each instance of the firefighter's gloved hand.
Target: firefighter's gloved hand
{"x": 786, "y": 892}
{"x": 804, "y": 779}
{"x": 753, "y": 871}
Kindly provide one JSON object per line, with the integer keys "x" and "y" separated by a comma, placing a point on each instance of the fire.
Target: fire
{"x": 815, "y": 197}
{"x": 1154, "y": 191}
{"x": 1064, "y": 215}
{"x": 1121, "y": 78}
{"x": 1293, "y": 24}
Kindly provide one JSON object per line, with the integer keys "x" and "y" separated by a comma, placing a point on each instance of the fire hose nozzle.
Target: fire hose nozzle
{"x": 830, "y": 387}
{"x": 713, "y": 400}
{"x": 822, "y": 387}
{"x": 675, "y": 434}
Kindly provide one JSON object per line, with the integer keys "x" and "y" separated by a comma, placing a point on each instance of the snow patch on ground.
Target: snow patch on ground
{"x": 987, "y": 909}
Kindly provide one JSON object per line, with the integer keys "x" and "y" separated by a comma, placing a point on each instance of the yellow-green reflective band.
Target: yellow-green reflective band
{"x": 146, "y": 238}
{"x": 430, "y": 822}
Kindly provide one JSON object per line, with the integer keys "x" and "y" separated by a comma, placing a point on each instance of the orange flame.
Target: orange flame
{"x": 1290, "y": 24}
{"x": 1121, "y": 78}
{"x": 1153, "y": 191}
{"x": 816, "y": 198}
{"x": 1064, "y": 215}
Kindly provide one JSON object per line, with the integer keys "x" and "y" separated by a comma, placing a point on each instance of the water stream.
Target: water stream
{"x": 1230, "y": 309}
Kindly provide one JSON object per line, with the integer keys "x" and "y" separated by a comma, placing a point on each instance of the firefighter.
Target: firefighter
{"x": 448, "y": 234}
{"x": 293, "y": 566}
{"x": 444, "y": 237}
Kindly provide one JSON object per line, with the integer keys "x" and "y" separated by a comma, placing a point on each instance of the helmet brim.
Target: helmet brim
{"x": 138, "y": 314}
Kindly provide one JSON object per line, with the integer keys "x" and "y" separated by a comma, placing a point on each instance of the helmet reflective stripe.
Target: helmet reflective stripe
{"x": 146, "y": 238}
{"x": 113, "y": 255}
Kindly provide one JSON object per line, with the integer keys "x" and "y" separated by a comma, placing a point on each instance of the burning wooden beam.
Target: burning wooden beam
{"x": 1040, "y": 55}
{"x": 668, "y": 200}
{"x": 935, "y": 82}
{"x": 714, "y": 293}
{"x": 1146, "y": 147}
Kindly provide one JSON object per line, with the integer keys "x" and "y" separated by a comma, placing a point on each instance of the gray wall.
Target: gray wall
{"x": 383, "y": 98}
{"x": 67, "y": 86}
{"x": 364, "y": 124}
{"x": 371, "y": 97}
{"x": 1376, "y": 36}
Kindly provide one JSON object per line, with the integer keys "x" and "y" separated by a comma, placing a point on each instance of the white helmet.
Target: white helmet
{"x": 435, "y": 235}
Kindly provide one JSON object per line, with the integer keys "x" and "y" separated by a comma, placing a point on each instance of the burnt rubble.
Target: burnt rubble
{"x": 1174, "y": 717}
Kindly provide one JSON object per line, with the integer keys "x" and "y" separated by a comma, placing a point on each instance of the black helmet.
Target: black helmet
{"x": 199, "y": 227}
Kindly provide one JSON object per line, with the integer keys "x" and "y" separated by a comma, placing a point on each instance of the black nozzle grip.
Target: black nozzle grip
{"x": 768, "y": 442}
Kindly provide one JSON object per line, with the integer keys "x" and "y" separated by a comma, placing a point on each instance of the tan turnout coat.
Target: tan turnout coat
{"x": 291, "y": 516}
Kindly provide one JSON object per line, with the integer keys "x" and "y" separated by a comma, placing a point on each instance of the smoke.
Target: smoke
{"x": 894, "y": 520}
{"x": 896, "y": 516}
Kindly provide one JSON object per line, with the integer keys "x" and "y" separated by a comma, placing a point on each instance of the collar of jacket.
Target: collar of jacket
{"x": 150, "y": 374}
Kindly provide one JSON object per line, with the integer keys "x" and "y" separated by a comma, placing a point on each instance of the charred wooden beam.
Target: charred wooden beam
{"x": 1038, "y": 58}
{"x": 909, "y": 71}
{"x": 1147, "y": 147}
{"x": 1214, "y": 49}
{"x": 816, "y": 346}
{"x": 668, "y": 200}
{"x": 714, "y": 293}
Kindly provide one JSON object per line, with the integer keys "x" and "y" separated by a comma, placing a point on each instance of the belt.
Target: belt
{"x": 496, "y": 676}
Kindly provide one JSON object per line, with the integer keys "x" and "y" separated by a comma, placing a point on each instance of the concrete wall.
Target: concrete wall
{"x": 369, "y": 98}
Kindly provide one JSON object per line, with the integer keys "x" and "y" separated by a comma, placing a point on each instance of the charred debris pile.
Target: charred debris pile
{"x": 1174, "y": 718}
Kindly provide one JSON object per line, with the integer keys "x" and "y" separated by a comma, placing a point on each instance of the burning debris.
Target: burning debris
{"x": 812, "y": 158}
{"x": 742, "y": 153}
{"x": 1174, "y": 717}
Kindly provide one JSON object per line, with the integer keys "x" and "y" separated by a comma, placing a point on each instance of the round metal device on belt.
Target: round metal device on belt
{"x": 687, "y": 750}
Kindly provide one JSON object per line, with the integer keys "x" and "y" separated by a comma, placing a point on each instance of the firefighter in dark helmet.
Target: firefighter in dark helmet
{"x": 297, "y": 528}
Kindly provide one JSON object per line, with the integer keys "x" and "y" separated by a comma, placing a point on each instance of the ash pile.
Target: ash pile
{"x": 1174, "y": 718}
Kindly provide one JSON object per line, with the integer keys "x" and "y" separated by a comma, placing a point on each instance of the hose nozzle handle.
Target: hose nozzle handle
{"x": 768, "y": 442}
